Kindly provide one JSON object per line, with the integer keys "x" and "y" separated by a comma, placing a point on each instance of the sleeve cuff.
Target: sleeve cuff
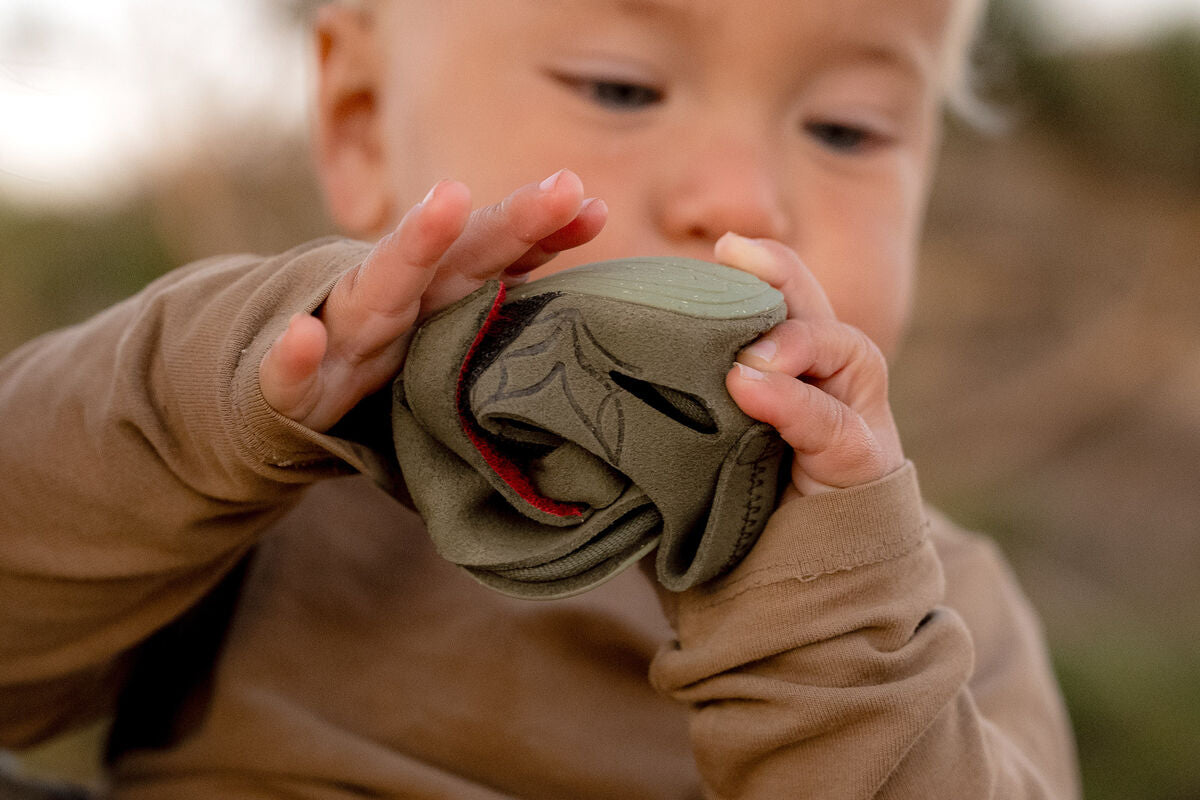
{"x": 280, "y": 445}
{"x": 832, "y": 532}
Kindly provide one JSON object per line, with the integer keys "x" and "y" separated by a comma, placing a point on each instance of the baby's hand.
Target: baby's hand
{"x": 821, "y": 383}
{"x": 441, "y": 251}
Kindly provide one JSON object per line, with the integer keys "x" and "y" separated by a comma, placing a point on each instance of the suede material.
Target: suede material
{"x": 599, "y": 396}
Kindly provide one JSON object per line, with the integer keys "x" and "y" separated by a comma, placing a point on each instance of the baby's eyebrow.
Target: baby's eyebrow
{"x": 909, "y": 58}
{"x": 668, "y": 12}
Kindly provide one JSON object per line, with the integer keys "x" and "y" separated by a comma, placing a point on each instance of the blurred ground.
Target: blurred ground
{"x": 1049, "y": 392}
{"x": 1050, "y": 395}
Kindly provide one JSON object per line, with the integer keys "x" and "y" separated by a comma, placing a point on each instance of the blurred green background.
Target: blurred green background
{"x": 1049, "y": 392}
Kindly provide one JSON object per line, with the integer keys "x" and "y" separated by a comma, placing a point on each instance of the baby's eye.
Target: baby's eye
{"x": 840, "y": 137}
{"x": 616, "y": 94}
{"x": 612, "y": 94}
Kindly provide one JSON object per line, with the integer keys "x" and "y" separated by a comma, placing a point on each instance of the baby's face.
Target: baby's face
{"x": 807, "y": 121}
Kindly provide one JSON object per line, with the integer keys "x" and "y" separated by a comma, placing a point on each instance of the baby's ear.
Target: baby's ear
{"x": 348, "y": 139}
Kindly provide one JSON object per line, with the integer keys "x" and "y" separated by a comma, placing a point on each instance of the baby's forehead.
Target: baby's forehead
{"x": 927, "y": 37}
{"x": 842, "y": 15}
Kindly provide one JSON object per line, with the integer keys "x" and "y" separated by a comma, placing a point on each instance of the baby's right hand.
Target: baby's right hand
{"x": 441, "y": 251}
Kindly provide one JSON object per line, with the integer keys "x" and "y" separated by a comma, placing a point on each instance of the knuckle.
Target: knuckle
{"x": 807, "y": 417}
{"x": 865, "y": 358}
{"x": 491, "y": 218}
{"x": 867, "y": 351}
{"x": 508, "y": 219}
{"x": 840, "y": 430}
{"x": 792, "y": 331}
{"x": 349, "y": 283}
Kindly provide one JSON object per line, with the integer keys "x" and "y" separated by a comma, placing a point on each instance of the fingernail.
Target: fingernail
{"x": 749, "y": 373}
{"x": 599, "y": 204}
{"x": 432, "y": 192}
{"x": 748, "y": 255}
{"x": 549, "y": 184}
{"x": 737, "y": 240}
{"x": 763, "y": 349}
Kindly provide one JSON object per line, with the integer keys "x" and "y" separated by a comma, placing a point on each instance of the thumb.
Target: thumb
{"x": 289, "y": 375}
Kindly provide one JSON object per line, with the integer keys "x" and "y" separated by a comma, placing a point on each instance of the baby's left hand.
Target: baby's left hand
{"x": 820, "y": 382}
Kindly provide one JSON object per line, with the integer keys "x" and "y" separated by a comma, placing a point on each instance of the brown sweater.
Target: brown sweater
{"x": 865, "y": 648}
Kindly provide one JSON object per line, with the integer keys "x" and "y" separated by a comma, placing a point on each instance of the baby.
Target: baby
{"x": 200, "y": 435}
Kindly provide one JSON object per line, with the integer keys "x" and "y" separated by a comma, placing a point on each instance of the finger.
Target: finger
{"x": 833, "y": 445}
{"x": 289, "y": 372}
{"x": 378, "y": 301}
{"x": 780, "y": 267}
{"x": 581, "y": 230}
{"x": 837, "y": 358}
{"x": 501, "y": 235}
{"x": 403, "y": 261}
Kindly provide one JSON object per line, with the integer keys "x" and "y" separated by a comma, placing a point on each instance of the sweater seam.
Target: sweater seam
{"x": 811, "y": 569}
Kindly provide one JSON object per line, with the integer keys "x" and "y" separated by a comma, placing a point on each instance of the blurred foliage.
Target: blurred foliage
{"x": 1112, "y": 134}
{"x": 1134, "y": 696}
{"x": 1135, "y": 108}
{"x": 58, "y": 267}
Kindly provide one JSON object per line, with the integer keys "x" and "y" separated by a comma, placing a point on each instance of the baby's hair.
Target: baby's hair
{"x": 960, "y": 76}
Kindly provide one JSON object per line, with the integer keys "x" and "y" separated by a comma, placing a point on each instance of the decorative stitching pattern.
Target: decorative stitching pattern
{"x": 563, "y": 323}
{"x": 814, "y": 568}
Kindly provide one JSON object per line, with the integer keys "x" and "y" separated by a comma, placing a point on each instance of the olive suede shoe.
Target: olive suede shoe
{"x": 556, "y": 433}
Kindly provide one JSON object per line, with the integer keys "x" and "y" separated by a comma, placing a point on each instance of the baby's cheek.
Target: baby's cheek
{"x": 877, "y": 303}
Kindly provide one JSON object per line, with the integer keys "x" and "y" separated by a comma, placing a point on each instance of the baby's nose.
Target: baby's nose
{"x": 724, "y": 185}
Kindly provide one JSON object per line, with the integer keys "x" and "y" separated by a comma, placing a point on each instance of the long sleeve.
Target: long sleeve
{"x": 859, "y": 652}
{"x": 140, "y": 462}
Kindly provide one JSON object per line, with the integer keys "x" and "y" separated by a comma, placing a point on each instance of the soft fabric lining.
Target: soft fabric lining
{"x": 503, "y": 466}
